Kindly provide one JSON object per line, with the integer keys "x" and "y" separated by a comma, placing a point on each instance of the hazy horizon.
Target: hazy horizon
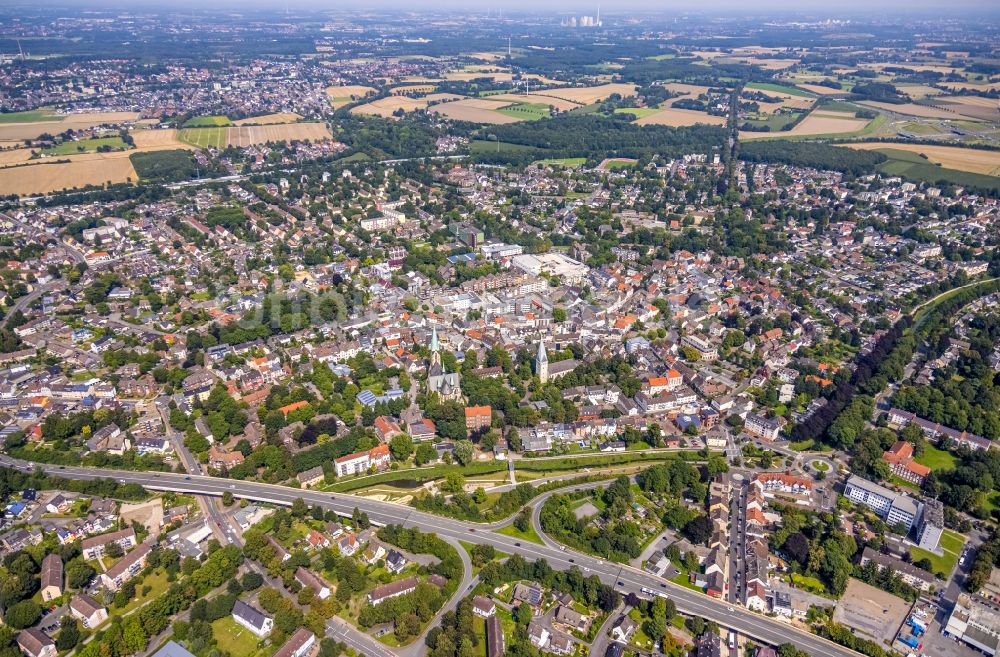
{"x": 845, "y": 9}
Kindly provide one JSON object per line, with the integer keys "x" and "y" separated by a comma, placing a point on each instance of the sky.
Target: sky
{"x": 840, "y": 8}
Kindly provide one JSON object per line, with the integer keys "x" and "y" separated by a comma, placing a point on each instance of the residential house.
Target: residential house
{"x": 95, "y": 546}
{"x": 34, "y": 643}
{"x": 308, "y": 578}
{"x": 311, "y": 477}
{"x": 382, "y": 593}
{"x": 52, "y": 577}
{"x": 483, "y": 607}
{"x": 252, "y": 618}
{"x": 299, "y": 645}
{"x": 129, "y": 566}
{"x": 87, "y": 610}
{"x": 376, "y": 458}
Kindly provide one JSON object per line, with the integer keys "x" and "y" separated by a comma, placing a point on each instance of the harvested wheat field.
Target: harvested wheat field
{"x": 950, "y": 157}
{"x": 678, "y": 118}
{"x": 386, "y": 107}
{"x": 912, "y": 109}
{"x": 476, "y": 110}
{"x": 53, "y": 177}
{"x": 344, "y": 95}
{"x": 817, "y": 123}
{"x": 15, "y": 156}
{"x": 918, "y": 91}
{"x": 588, "y": 95}
{"x": 262, "y": 134}
{"x": 349, "y": 91}
{"x": 413, "y": 89}
{"x": 975, "y": 107}
{"x": 157, "y": 140}
{"x": 269, "y": 119}
{"x": 22, "y": 131}
{"x": 686, "y": 89}
{"x": 559, "y": 103}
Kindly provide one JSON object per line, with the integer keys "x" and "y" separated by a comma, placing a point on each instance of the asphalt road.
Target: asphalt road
{"x": 624, "y": 578}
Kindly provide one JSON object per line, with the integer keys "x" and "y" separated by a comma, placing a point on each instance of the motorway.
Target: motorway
{"x": 625, "y": 579}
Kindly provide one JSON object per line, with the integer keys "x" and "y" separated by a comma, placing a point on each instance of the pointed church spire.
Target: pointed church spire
{"x": 434, "y": 340}
{"x": 542, "y": 362}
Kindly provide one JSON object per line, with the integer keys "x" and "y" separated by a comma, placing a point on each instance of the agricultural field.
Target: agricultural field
{"x": 241, "y": 136}
{"x": 918, "y": 91}
{"x": 973, "y": 107}
{"x": 638, "y": 112}
{"x": 386, "y": 107}
{"x": 344, "y": 95}
{"x": 15, "y": 156}
{"x": 207, "y": 121}
{"x": 951, "y": 157}
{"x": 159, "y": 139}
{"x": 86, "y": 146}
{"x": 588, "y": 95}
{"x": 680, "y": 117}
{"x": 913, "y": 167}
{"x": 18, "y": 132}
{"x": 477, "y": 110}
{"x": 819, "y": 89}
{"x": 526, "y": 111}
{"x": 47, "y": 177}
{"x": 778, "y": 89}
{"x": 205, "y": 137}
{"x": 270, "y": 119}
{"x": 535, "y": 98}
{"x": 407, "y": 89}
{"x": 911, "y": 109}
{"x": 819, "y": 122}
{"x": 31, "y": 116}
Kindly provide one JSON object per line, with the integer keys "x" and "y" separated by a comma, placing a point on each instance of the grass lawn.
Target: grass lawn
{"x": 951, "y": 547}
{"x": 157, "y": 581}
{"x": 808, "y": 583}
{"x": 899, "y": 481}
{"x": 207, "y": 121}
{"x": 803, "y": 445}
{"x": 234, "y": 638}
{"x": 939, "y": 460}
{"x": 490, "y": 146}
{"x": 820, "y": 466}
{"x": 781, "y": 89}
{"x": 514, "y": 532}
{"x": 31, "y": 116}
{"x": 526, "y": 111}
{"x": 639, "y": 112}
{"x": 204, "y": 137}
{"x": 775, "y": 122}
{"x": 86, "y": 146}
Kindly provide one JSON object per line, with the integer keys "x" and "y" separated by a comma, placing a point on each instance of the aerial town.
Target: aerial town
{"x": 343, "y": 335}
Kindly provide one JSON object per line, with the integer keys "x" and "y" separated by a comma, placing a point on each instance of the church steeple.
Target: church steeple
{"x": 435, "y": 367}
{"x": 542, "y": 363}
